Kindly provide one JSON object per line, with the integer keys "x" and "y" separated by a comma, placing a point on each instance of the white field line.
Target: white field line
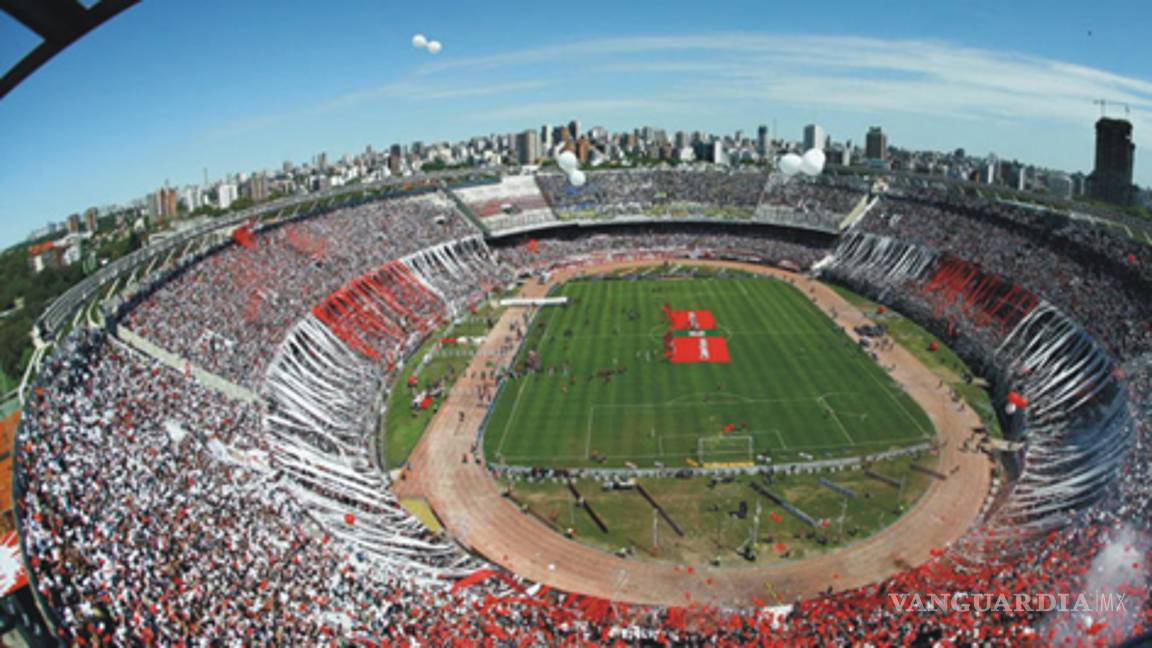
{"x": 511, "y": 417}
{"x": 826, "y": 446}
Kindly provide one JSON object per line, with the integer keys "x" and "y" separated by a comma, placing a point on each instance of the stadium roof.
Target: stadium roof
{"x": 59, "y": 23}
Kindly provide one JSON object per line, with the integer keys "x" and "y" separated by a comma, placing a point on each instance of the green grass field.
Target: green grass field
{"x": 943, "y": 362}
{"x": 796, "y": 385}
{"x": 702, "y": 507}
{"x": 403, "y": 426}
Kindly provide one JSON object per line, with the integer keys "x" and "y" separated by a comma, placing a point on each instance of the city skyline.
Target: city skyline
{"x": 344, "y": 81}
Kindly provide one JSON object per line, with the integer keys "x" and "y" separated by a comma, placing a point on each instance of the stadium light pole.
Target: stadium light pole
{"x": 843, "y": 513}
{"x": 755, "y": 528}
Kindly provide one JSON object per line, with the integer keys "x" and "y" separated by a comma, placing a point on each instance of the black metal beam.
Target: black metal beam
{"x": 60, "y": 23}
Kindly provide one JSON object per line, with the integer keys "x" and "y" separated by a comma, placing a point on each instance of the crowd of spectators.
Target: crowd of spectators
{"x": 788, "y": 249}
{"x": 461, "y": 272}
{"x": 154, "y": 512}
{"x": 1098, "y": 280}
{"x": 655, "y": 194}
{"x": 741, "y": 194}
{"x": 513, "y": 201}
{"x": 152, "y": 517}
{"x": 805, "y": 202}
{"x": 227, "y": 313}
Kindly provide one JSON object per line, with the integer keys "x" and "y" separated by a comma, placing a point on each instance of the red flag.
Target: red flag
{"x": 243, "y": 236}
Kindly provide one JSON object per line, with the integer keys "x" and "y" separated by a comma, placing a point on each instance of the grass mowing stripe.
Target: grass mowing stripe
{"x": 790, "y": 352}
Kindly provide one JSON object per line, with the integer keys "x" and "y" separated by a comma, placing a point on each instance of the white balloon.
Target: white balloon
{"x": 419, "y": 41}
{"x": 790, "y": 164}
{"x": 1010, "y": 409}
{"x": 813, "y": 162}
{"x": 567, "y": 161}
{"x": 577, "y": 178}
{"x": 434, "y": 47}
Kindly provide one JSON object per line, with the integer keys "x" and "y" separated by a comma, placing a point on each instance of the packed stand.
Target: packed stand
{"x": 196, "y": 530}
{"x": 227, "y": 312}
{"x": 1110, "y": 300}
{"x": 813, "y": 203}
{"x": 152, "y": 513}
{"x": 655, "y": 194}
{"x": 511, "y": 202}
{"x": 461, "y": 273}
{"x": 186, "y": 537}
{"x": 790, "y": 250}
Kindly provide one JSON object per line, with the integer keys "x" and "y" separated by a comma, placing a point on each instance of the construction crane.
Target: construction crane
{"x": 1103, "y": 103}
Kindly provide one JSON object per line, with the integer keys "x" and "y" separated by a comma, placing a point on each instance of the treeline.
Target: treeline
{"x": 37, "y": 290}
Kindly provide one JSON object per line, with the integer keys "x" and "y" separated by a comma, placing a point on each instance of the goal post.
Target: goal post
{"x": 726, "y": 449}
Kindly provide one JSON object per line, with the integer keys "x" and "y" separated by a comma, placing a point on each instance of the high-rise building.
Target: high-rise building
{"x": 582, "y": 149}
{"x": 988, "y": 171}
{"x": 90, "y": 216}
{"x": 167, "y": 203}
{"x": 225, "y": 195}
{"x": 718, "y": 156}
{"x": 396, "y": 160}
{"x": 574, "y": 128}
{"x": 1060, "y": 185}
{"x": 193, "y": 198}
{"x": 762, "y": 142}
{"x": 73, "y": 223}
{"x": 154, "y": 206}
{"x": 255, "y": 188}
{"x": 837, "y": 155}
{"x": 162, "y": 204}
{"x": 876, "y": 144}
{"x": 1079, "y": 183}
{"x": 546, "y": 137}
{"x": 322, "y": 161}
{"x": 813, "y": 137}
{"x": 528, "y": 147}
{"x": 1111, "y": 179}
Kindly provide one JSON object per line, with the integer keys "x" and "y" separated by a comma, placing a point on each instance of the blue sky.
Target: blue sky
{"x": 168, "y": 89}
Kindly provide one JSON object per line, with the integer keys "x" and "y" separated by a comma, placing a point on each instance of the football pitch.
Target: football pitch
{"x": 794, "y": 386}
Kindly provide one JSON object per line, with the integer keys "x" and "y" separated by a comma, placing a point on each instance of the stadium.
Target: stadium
{"x": 667, "y": 406}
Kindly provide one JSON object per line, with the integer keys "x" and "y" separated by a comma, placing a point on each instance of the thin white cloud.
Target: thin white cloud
{"x": 422, "y": 90}
{"x": 654, "y": 79}
{"x": 911, "y": 76}
{"x": 408, "y": 90}
{"x": 589, "y": 108}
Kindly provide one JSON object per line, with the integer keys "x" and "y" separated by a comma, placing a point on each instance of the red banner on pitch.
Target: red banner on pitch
{"x": 700, "y": 349}
{"x": 700, "y": 320}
